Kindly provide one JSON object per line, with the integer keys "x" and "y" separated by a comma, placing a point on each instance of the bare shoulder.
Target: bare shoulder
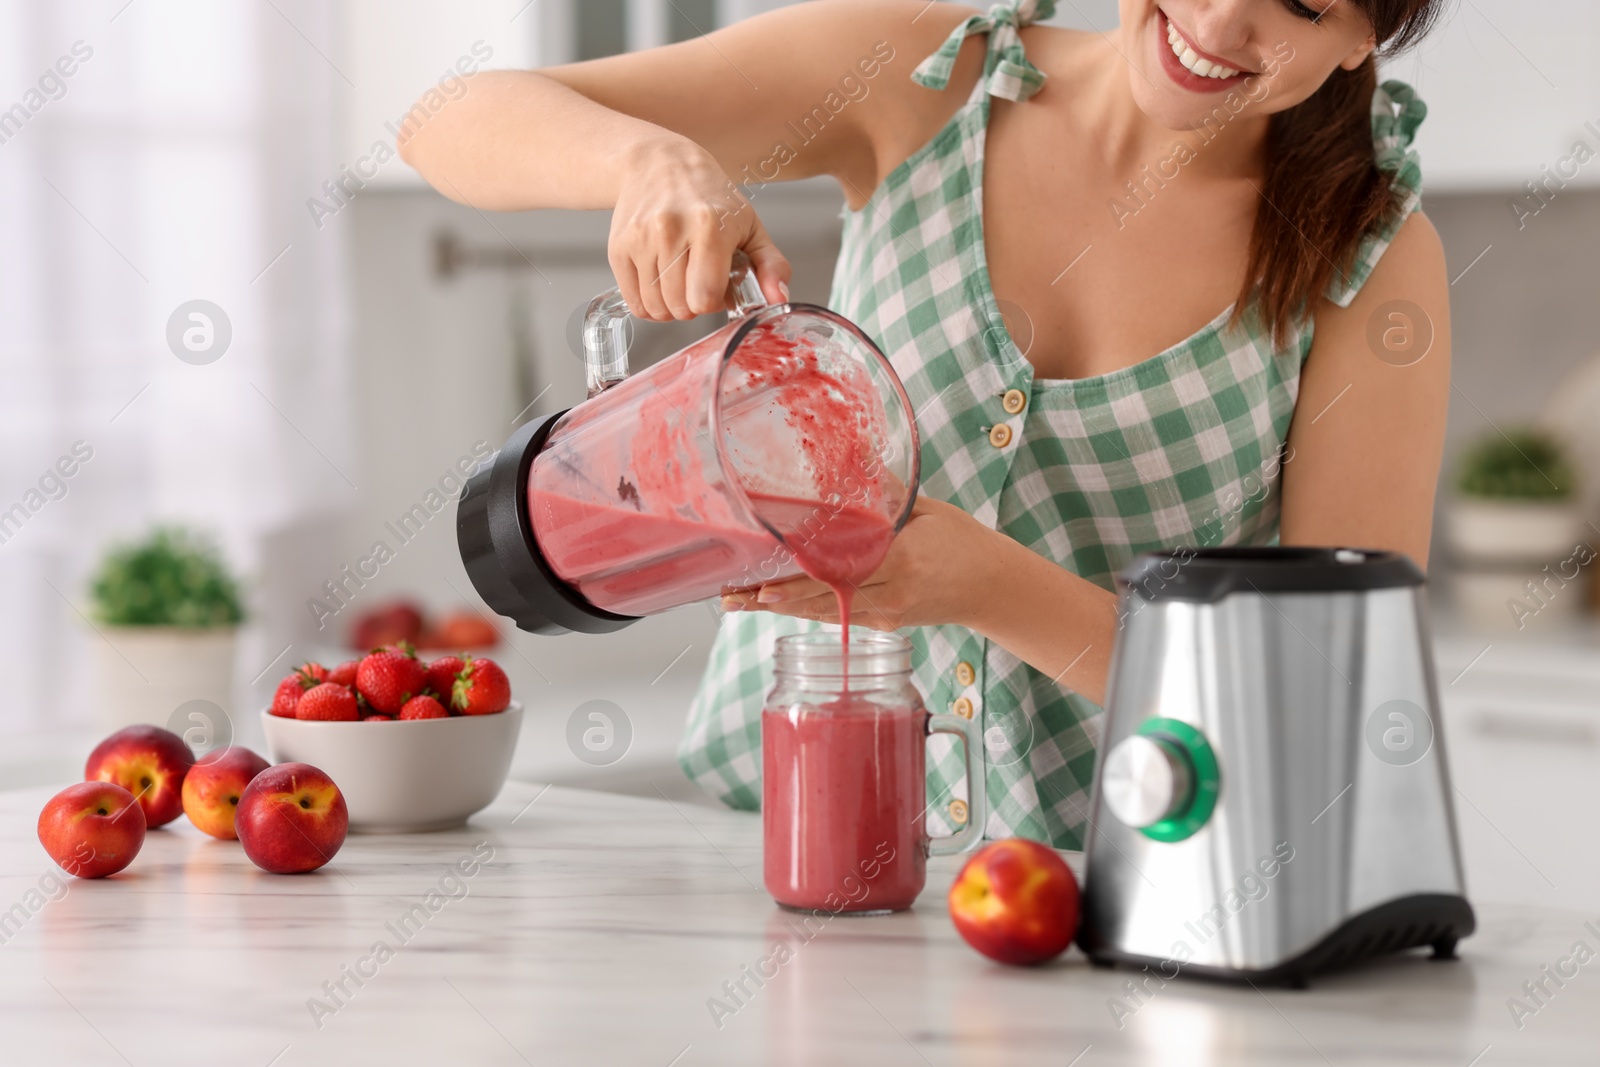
{"x": 1411, "y": 272}
{"x": 1411, "y": 268}
{"x": 900, "y": 33}
{"x": 1415, "y": 257}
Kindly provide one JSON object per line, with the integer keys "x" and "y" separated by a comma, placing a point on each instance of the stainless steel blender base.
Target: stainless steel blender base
{"x": 1273, "y": 797}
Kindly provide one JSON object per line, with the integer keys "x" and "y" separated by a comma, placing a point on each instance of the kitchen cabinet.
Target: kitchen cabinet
{"x": 1522, "y": 729}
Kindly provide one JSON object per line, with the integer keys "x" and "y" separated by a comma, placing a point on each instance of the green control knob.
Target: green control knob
{"x": 1162, "y": 781}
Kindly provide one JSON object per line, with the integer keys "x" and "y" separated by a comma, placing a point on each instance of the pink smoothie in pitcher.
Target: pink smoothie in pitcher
{"x": 842, "y": 805}
{"x": 640, "y": 515}
{"x": 636, "y": 563}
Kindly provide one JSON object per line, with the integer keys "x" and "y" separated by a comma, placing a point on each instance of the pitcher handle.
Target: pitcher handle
{"x": 968, "y": 837}
{"x": 605, "y": 328}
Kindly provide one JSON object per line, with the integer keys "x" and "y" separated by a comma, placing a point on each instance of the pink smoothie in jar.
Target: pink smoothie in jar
{"x": 842, "y": 805}
{"x": 844, "y": 790}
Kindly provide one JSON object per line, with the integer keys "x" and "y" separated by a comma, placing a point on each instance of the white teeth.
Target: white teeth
{"x": 1192, "y": 60}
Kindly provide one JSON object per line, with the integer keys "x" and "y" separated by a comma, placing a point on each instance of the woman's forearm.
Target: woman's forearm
{"x": 518, "y": 140}
{"x": 1048, "y": 617}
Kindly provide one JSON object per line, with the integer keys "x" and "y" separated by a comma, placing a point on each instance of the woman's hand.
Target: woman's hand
{"x": 946, "y": 567}
{"x": 677, "y": 222}
{"x": 937, "y": 571}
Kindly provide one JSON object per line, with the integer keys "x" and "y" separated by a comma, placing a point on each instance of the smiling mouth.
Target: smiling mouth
{"x": 1193, "y": 69}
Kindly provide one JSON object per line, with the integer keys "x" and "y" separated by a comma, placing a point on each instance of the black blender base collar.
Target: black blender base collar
{"x": 1206, "y": 575}
{"x": 1431, "y": 920}
{"x": 495, "y": 538}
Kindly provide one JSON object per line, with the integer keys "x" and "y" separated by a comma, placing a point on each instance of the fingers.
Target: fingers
{"x": 684, "y": 276}
{"x": 788, "y": 591}
{"x": 627, "y": 279}
{"x": 771, "y": 266}
{"x": 638, "y": 279}
{"x": 709, "y": 261}
{"x": 706, "y": 280}
{"x": 817, "y": 608}
{"x": 648, "y": 256}
{"x": 651, "y": 305}
{"x": 671, "y": 277}
{"x": 674, "y": 229}
{"x": 672, "y": 259}
{"x": 791, "y": 589}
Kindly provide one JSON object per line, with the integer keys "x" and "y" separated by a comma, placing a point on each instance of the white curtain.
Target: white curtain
{"x": 171, "y": 164}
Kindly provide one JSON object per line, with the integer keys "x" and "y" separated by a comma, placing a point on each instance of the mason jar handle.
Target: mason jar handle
{"x": 968, "y": 837}
{"x": 605, "y": 330}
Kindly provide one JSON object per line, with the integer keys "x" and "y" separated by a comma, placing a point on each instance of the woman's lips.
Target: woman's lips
{"x": 1181, "y": 74}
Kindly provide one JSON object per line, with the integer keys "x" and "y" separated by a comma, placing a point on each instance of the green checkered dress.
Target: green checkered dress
{"x": 1181, "y": 449}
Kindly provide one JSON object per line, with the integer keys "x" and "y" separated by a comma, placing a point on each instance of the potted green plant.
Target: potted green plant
{"x": 169, "y": 609}
{"x": 1515, "y": 517}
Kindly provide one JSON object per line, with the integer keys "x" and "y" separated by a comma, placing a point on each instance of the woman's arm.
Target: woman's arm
{"x": 1368, "y": 430}
{"x": 661, "y": 136}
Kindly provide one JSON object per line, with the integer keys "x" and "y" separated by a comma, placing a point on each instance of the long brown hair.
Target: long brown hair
{"x": 1323, "y": 190}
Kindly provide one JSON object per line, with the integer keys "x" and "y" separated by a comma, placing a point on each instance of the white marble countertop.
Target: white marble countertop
{"x": 601, "y": 927}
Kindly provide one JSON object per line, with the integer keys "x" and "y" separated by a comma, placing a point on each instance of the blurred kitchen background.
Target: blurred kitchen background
{"x": 362, "y": 336}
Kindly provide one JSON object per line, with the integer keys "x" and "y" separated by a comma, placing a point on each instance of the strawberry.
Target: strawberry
{"x": 481, "y": 688}
{"x": 442, "y": 675}
{"x": 377, "y": 718}
{"x": 387, "y": 679}
{"x": 286, "y": 696}
{"x": 345, "y": 673}
{"x": 327, "y": 702}
{"x": 423, "y": 707}
{"x": 290, "y": 689}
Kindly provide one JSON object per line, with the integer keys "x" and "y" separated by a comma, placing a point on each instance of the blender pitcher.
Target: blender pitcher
{"x": 714, "y": 469}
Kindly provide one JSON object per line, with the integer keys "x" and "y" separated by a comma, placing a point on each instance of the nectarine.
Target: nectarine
{"x": 1016, "y": 901}
{"x": 291, "y": 818}
{"x": 213, "y": 786}
{"x": 92, "y": 829}
{"x": 148, "y": 762}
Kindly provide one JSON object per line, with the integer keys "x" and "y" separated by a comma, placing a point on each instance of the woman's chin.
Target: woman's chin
{"x": 1168, "y": 107}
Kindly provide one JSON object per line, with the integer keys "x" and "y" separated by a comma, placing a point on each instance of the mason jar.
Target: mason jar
{"x": 844, "y": 776}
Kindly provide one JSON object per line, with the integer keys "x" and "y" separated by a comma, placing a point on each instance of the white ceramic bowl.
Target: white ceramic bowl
{"x": 405, "y": 777}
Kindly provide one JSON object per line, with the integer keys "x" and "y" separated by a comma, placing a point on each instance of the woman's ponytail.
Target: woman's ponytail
{"x": 1323, "y": 190}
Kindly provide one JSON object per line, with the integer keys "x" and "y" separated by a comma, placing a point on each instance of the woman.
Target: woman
{"x": 1158, "y": 287}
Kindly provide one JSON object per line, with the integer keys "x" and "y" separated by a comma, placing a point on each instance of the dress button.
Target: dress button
{"x": 958, "y": 810}
{"x": 1014, "y": 401}
{"x": 999, "y": 435}
{"x": 963, "y": 708}
{"x": 965, "y": 674}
